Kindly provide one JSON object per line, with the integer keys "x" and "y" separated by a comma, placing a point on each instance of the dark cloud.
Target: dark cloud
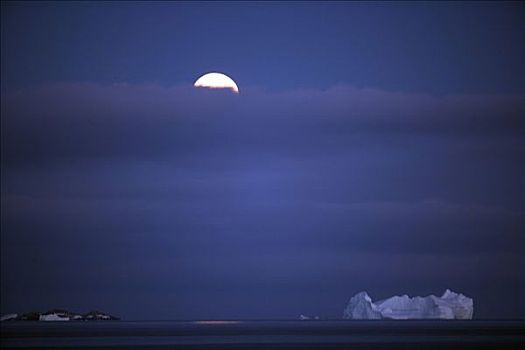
{"x": 88, "y": 120}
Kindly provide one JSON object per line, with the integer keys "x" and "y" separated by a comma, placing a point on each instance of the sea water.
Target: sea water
{"x": 340, "y": 334}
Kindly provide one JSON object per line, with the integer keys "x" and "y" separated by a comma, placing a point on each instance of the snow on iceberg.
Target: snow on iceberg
{"x": 8, "y": 317}
{"x": 53, "y": 317}
{"x": 449, "y": 306}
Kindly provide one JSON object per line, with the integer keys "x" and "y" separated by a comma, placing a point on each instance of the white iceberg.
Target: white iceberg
{"x": 449, "y": 306}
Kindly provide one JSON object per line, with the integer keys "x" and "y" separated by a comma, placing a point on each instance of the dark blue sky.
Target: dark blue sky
{"x": 434, "y": 48}
{"x": 373, "y": 146}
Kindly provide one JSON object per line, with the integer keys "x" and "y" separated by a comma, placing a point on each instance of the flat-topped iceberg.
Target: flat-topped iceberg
{"x": 449, "y": 306}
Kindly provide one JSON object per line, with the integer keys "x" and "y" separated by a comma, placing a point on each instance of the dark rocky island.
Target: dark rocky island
{"x": 60, "y": 315}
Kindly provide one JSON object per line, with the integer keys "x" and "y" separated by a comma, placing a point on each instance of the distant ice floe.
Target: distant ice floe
{"x": 449, "y": 306}
{"x": 304, "y": 318}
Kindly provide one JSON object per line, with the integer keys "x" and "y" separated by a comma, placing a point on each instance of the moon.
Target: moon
{"x": 216, "y": 80}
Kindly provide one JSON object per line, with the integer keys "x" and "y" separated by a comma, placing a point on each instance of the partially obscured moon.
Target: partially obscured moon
{"x": 216, "y": 81}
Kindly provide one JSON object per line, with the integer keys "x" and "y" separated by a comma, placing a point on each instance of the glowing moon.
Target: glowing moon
{"x": 216, "y": 81}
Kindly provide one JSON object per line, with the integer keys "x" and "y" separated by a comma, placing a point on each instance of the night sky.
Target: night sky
{"x": 373, "y": 146}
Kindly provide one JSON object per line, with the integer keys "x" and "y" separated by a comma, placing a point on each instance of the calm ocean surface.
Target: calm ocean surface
{"x": 264, "y": 335}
